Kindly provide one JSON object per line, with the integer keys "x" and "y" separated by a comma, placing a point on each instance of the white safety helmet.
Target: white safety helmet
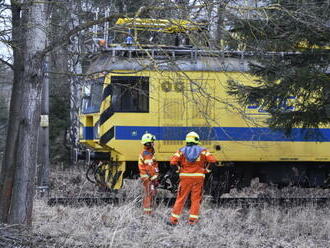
{"x": 192, "y": 137}
{"x": 147, "y": 138}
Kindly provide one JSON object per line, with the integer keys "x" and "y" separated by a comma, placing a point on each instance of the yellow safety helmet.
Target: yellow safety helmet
{"x": 147, "y": 138}
{"x": 192, "y": 137}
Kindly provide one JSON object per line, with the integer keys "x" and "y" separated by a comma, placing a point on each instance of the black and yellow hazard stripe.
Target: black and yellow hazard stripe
{"x": 106, "y": 113}
{"x": 107, "y": 136}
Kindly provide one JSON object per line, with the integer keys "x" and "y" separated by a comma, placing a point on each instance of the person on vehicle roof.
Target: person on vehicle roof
{"x": 192, "y": 161}
{"x": 149, "y": 172}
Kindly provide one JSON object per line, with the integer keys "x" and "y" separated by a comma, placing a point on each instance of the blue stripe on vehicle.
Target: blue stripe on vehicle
{"x": 223, "y": 133}
{"x": 88, "y": 133}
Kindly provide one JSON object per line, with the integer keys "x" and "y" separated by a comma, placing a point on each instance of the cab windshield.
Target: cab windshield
{"x": 92, "y": 96}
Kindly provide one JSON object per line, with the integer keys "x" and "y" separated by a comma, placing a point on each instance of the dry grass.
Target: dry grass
{"x": 125, "y": 226}
{"x": 258, "y": 189}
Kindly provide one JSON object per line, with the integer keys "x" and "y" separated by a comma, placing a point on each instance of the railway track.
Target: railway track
{"x": 91, "y": 201}
{"x": 222, "y": 202}
{"x": 281, "y": 202}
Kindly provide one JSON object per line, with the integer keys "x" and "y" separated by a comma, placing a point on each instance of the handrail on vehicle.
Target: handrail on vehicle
{"x": 161, "y": 52}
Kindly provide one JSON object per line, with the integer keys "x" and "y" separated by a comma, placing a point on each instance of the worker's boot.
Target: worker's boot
{"x": 173, "y": 221}
{"x": 192, "y": 221}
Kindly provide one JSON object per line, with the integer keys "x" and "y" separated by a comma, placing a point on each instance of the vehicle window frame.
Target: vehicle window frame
{"x": 119, "y": 83}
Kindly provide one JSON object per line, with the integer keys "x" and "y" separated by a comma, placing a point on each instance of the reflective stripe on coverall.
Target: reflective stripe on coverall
{"x": 192, "y": 173}
{"x": 148, "y": 168}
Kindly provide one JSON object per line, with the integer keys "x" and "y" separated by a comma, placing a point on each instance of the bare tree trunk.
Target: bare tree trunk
{"x": 75, "y": 87}
{"x": 22, "y": 195}
{"x": 19, "y": 197}
{"x": 220, "y": 31}
{"x": 9, "y": 160}
{"x": 74, "y": 106}
{"x": 43, "y": 145}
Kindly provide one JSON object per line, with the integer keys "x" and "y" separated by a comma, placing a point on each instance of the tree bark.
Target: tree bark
{"x": 43, "y": 144}
{"x": 219, "y": 33}
{"x": 9, "y": 159}
{"x": 18, "y": 190}
{"x": 22, "y": 195}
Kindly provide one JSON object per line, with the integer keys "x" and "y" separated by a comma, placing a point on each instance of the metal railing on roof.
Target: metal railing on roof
{"x": 183, "y": 52}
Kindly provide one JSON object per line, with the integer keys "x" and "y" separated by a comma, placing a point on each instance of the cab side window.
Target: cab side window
{"x": 130, "y": 94}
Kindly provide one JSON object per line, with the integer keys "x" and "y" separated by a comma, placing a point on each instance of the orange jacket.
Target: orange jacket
{"x": 148, "y": 165}
{"x": 192, "y": 161}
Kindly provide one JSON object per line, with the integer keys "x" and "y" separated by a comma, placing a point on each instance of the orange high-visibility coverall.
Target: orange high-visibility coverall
{"x": 148, "y": 168}
{"x": 192, "y": 161}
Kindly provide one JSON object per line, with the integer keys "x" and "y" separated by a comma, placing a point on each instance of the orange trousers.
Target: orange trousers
{"x": 194, "y": 187}
{"x": 149, "y": 194}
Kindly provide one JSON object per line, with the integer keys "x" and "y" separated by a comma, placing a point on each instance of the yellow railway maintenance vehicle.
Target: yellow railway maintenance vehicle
{"x": 171, "y": 90}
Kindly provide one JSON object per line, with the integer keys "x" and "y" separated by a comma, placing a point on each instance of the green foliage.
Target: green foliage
{"x": 300, "y": 72}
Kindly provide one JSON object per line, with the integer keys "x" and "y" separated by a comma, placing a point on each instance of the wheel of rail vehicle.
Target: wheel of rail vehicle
{"x": 91, "y": 173}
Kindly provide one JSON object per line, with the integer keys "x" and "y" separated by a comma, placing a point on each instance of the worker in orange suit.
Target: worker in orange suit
{"x": 191, "y": 161}
{"x": 148, "y": 168}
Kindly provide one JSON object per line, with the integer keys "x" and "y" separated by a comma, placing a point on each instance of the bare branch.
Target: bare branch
{"x": 7, "y": 63}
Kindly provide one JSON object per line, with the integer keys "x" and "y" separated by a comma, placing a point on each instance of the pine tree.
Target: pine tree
{"x": 301, "y": 30}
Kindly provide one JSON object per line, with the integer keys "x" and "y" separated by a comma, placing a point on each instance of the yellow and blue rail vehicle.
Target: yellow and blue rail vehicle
{"x": 170, "y": 91}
